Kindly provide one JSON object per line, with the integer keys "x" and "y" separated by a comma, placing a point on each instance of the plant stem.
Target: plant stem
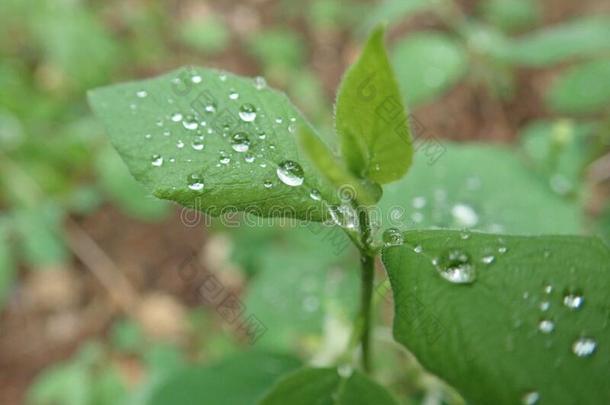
{"x": 367, "y": 277}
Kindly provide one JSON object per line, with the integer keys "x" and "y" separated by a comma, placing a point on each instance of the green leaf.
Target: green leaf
{"x": 324, "y": 386}
{"x": 582, "y": 89}
{"x": 475, "y": 186}
{"x": 427, "y": 64}
{"x": 214, "y": 142}
{"x": 236, "y": 381}
{"x": 533, "y": 320}
{"x": 370, "y": 117}
{"x": 583, "y": 37}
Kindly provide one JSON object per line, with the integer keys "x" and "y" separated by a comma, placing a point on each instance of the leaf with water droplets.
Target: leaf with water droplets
{"x": 370, "y": 117}
{"x": 532, "y": 324}
{"x": 186, "y": 123}
{"x": 327, "y": 386}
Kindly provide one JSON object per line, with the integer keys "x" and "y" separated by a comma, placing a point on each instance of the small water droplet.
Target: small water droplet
{"x": 247, "y": 112}
{"x": 196, "y": 79}
{"x": 142, "y": 93}
{"x": 464, "y": 215}
{"x": 456, "y": 267}
{"x": 290, "y": 173}
{"x": 279, "y": 120}
{"x": 267, "y": 184}
{"x": 233, "y": 95}
{"x": 211, "y": 108}
{"x": 315, "y": 195}
{"x": 148, "y": 136}
{"x": 544, "y": 306}
{"x": 222, "y": 77}
{"x": 546, "y": 326}
{"x": 240, "y": 142}
{"x": 530, "y": 398}
{"x": 502, "y": 249}
{"x": 190, "y": 123}
{"x": 249, "y": 158}
{"x": 176, "y": 117}
{"x": 488, "y": 259}
{"x": 157, "y": 160}
{"x": 548, "y": 289}
{"x": 418, "y": 249}
{"x": 195, "y": 182}
{"x": 179, "y": 144}
{"x": 584, "y": 347}
{"x": 392, "y": 237}
{"x": 197, "y": 144}
{"x": 573, "y": 300}
{"x": 224, "y": 159}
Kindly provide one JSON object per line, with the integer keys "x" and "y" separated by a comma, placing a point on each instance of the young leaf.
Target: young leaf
{"x": 325, "y": 386}
{"x": 370, "y": 117}
{"x": 427, "y": 64}
{"x": 214, "y": 142}
{"x": 583, "y": 89}
{"x": 508, "y": 319}
{"x": 239, "y": 380}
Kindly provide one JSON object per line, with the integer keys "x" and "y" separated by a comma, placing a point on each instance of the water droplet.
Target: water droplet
{"x": 157, "y": 160}
{"x": 544, "y": 306}
{"x": 247, "y": 112}
{"x": 196, "y": 79}
{"x": 190, "y": 123}
{"x": 148, "y": 136}
{"x": 345, "y": 371}
{"x": 260, "y": 82}
{"x": 488, "y": 259}
{"x": 464, "y": 215}
{"x": 573, "y": 300}
{"x": 290, "y": 173}
{"x": 222, "y": 77}
{"x": 530, "y": 398}
{"x": 224, "y": 159}
{"x": 315, "y": 195}
{"x": 548, "y": 289}
{"x": 233, "y": 95}
{"x": 455, "y": 266}
{"x": 211, "y": 108}
{"x": 267, "y": 184}
{"x": 240, "y": 142}
{"x": 176, "y": 117}
{"x": 392, "y": 237}
{"x": 502, "y": 249}
{"x": 262, "y": 135}
{"x": 546, "y": 326}
{"x": 418, "y": 249}
{"x": 249, "y": 158}
{"x": 179, "y": 144}
{"x": 584, "y": 347}
{"x": 142, "y": 93}
{"x": 195, "y": 182}
{"x": 197, "y": 144}
{"x": 279, "y": 120}
{"x": 166, "y": 133}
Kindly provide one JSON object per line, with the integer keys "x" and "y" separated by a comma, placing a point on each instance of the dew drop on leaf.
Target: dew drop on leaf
{"x": 315, "y": 195}
{"x": 392, "y": 237}
{"x": 197, "y": 145}
{"x": 456, "y": 267}
{"x": 240, "y": 142}
{"x": 157, "y": 160}
{"x": 418, "y": 249}
{"x": 290, "y": 173}
{"x": 176, "y": 117}
{"x": 267, "y": 184}
{"x": 179, "y": 144}
{"x": 573, "y": 300}
{"x": 545, "y": 305}
{"x": 488, "y": 259}
{"x": 233, "y": 95}
{"x": 584, "y": 347}
{"x": 195, "y": 182}
{"x": 190, "y": 123}
{"x": 249, "y": 158}
{"x": 224, "y": 159}
{"x": 196, "y": 79}
{"x": 546, "y": 326}
{"x": 142, "y": 93}
{"x": 247, "y": 112}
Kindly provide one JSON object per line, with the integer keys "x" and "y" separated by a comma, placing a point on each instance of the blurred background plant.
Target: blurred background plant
{"x": 96, "y": 308}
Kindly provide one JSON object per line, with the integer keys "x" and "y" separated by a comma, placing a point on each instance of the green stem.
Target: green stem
{"x": 367, "y": 278}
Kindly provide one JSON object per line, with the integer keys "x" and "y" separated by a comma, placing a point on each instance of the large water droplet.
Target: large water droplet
{"x": 195, "y": 182}
{"x": 240, "y": 142}
{"x": 157, "y": 160}
{"x": 392, "y": 237}
{"x": 573, "y": 300}
{"x": 456, "y": 266}
{"x": 546, "y": 326}
{"x": 290, "y": 173}
{"x": 584, "y": 347}
{"x": 530, "y": 398}
{"x": 247, "y": 112}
